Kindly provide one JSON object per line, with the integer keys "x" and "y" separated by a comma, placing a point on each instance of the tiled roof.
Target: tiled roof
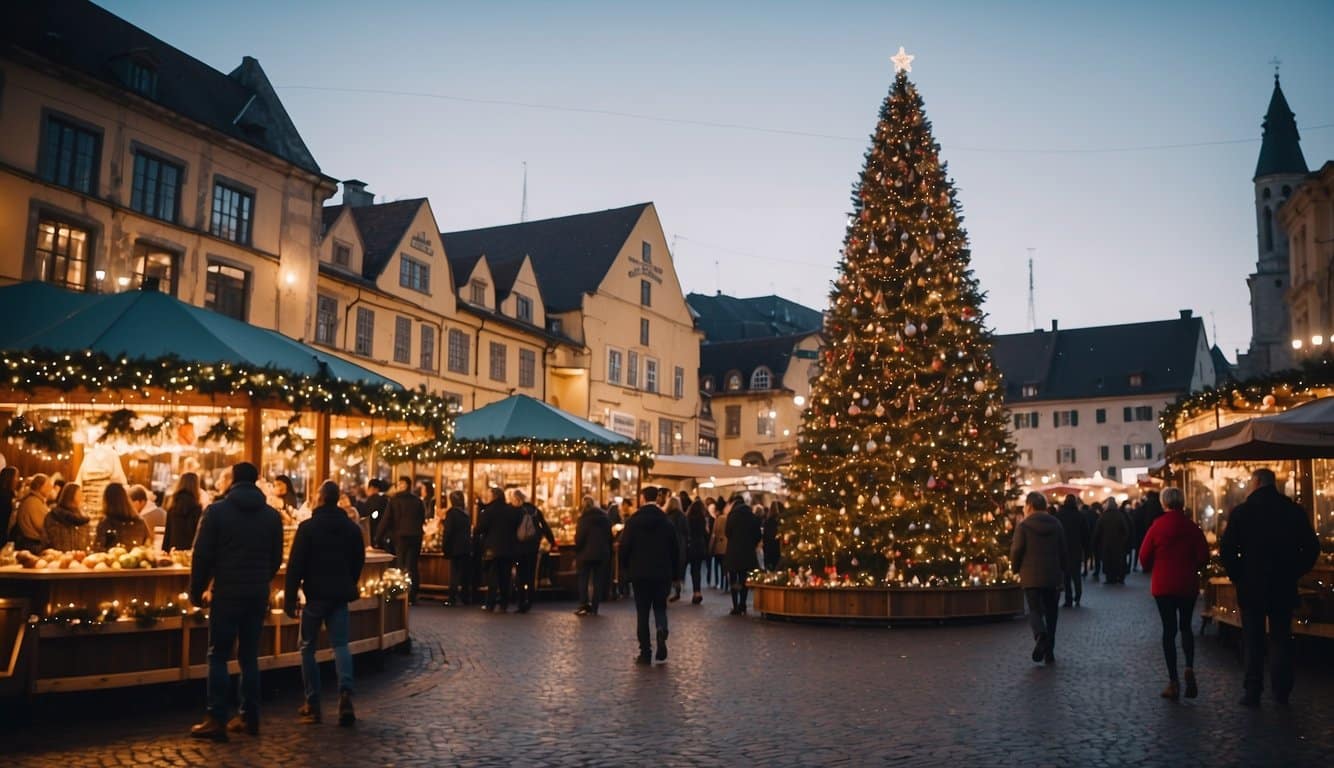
{"x": 328, "y": 215}
{"x": 718, "y": 358}
{"x": 727, "y": 318}
{"x": 382, "y": 227}
{"x": 570, "y": 254}
{"x": 1099, "y": 361}
{"x": 85, "y": 38}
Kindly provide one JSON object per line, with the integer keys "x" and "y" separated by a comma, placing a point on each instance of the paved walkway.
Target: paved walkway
{"x": 550, "y": 688}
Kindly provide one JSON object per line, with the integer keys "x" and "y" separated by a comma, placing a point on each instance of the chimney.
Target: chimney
{"x": 355, "y": 194}
{"x": 1185, "y": 314}
{"x": 1053, "y": 325}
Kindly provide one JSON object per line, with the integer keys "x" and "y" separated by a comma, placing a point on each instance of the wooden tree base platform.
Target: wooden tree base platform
{"x": 886, "y": 605}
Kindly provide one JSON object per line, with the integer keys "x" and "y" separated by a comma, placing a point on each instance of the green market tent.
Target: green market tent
{"x": 521, "y": 417}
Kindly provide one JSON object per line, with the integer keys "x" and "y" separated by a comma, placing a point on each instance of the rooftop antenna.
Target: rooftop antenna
{"x": 523, "y": 207}
{"x": 1214, "y": 323}
{"x": 1032, "y": 294}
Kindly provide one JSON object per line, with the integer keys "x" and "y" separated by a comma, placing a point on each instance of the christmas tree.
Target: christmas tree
{"x": 904, "y": 461}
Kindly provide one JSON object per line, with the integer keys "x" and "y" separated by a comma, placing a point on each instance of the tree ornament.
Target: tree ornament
{"x": 910, "y": 330}
{"x": 903, "y": 238}
{"x": 979, "y": 386}
{"x": 937, "y": 364}
{"x": 853, "y": 409}
{"x": 898, "y": 501}
{"x": 1269, "y": 401}
{"x": 871, "y": 445}
{"x": 931, "y": 482}
{"x": 879, "y": 409}
{"x": 871, "y": 248}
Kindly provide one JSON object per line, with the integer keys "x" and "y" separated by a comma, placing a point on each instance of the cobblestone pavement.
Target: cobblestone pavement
{"x": 550, "y": 688}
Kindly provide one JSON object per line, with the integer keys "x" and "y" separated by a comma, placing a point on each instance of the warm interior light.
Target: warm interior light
{"x": 798, "y": 401}
{"x": 123, "y": 281}
{"x": 100, "y": 274}
{"x": 1296, "y": 343}
{"x": 1317, "y": 340}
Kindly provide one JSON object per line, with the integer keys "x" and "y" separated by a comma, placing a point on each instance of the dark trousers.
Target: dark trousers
{"x": 650, "y": 595}
{"x": 1044, "y": 607}
{"x": 739, "y": 589}
{"x": 771, "y": 555}
{"x": 1074, "y": 587}
{"x": 719, "y": 573}
{"x": 407, "y": 551}
{"x": 1280, "y": 649}
{"x": 234, "y": 624}
{"x": 1177, "y": 613}
{"x": 526, "y": 587}
{"x": 590, "y": 580}
{"x": 461, "y": 587}
{"x": 696, "y": 566}
{"x": 498, "y": 582}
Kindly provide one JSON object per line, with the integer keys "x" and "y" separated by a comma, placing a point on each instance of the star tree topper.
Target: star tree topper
{"x": 902, "y": 61}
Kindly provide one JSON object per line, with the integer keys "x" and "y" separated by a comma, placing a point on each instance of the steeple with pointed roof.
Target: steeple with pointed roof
{"x": 1280, "y": 149}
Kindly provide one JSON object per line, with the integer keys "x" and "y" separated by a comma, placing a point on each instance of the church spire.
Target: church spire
{"x": 1280, "y": 149}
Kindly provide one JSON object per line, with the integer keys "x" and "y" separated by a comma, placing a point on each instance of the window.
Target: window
{"x": 553, "y": 325}
{"x": 156, "y": 188}
{"x": 678, "y": 382}
{"x": 643, "y": 331}
{"x": 733, "y": 382}
{"x": 1029, "y": 390}
{"x": 646, "y": 253}
{"x": 1065, "y": 418}
{"x": 646, "y": 293}
{"x": 414, "y": 275}
{"x": 613, "y": 366}
{"x": 1267, "y": 222}
{"x": 760, "y": 378}
{"x": 402, "y": 340}
{"x": 498, "y": 354}
{"x": 1025, "y": 457}
{"x": 645, "y": 434}
{"x": 1136, "y": 379}
{"x": 1065, "y": 455}
{"x": 227, "y": 291}
{"x": 427, "y": 358}
{"x": 523, "y": 308}
{"x": 1100, "y": 415}
{"x": 1111, "y": 472}
{"x": 1141, "y": 451}
{"x": 142, "y": 78}
{"x": 708, "y": 446}
{"x": 61, "y": 253}
{"x": 650, "y": 375}
{"x": 365, "y": 341}
{"x": 527, "y": 368}
{"x": 1104, "y": 452}
{"x": 707, "y": 384}
{"x": 671, "y": 437}
{"x": 764, "y": 424}
{"x": 232, "y": 210}
{"x": 732, "y": 421}
{"x": 477, "y": 292}
{"x": 326, "y": 320}
{"x": 342, "y": 255}
{"x": 459, "y": 344}
{"x": 154, "y": 268}
{"x": 1138, "y": 413}
{"x": 632, "y": 369}
{"x": 1027, "y": 420}
{"x": 70, "y": 156}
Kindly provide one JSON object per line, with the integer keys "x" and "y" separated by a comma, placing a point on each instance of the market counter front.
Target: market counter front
{"x": 71, "y": 630}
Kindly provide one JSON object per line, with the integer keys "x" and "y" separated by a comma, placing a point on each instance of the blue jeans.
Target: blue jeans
{"x": 334, "y": 616}
{"x": 234, "y": 624}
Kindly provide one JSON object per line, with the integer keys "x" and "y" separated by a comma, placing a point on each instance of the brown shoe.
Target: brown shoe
{"x": 309, "y": 714}
{"x": 1171, "y": 692}
{"x": 346, "y": 715}
{"x": 1191, "y": 689}
{"x": 210, "y": 728}
{"x": 243, "y": 724}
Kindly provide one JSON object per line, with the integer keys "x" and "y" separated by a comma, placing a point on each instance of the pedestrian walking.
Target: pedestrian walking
{"x": 1111, "y": 537}
{"x": 325, "y": 566}
{"x": 1092, "y": 558}
{"x": 676, "y": 514}
{"x": 498, "y": 529}
{"x": 1174, "y": 551}
{"x": 236, "y": 555}
{"x": 743, "y": 536}
{"x": 457, "y": 545}
{"x": 1076, "y": 542}
{"x": 697, "y": 546}
{"x": 718, "y": 547}
{"x": 402, "y": 524}
{"x": 592, "y": 554}
{"x": 532, "y": 529}
{"x": 650, "y": 559}
{"x": 1040, "y": 555}
{"x": 1268, "y": 546}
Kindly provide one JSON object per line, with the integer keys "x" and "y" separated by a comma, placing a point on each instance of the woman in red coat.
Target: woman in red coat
{"x": 1174, "y": 550}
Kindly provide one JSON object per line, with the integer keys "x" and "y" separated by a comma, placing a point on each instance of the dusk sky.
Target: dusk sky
{"x": 1117, "y": 140}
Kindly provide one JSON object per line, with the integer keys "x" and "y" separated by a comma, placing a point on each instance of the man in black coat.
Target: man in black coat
{"x": 376, "y": 502}
{"x": 1076, "y": 542}
{"x": 529, "y": 549}
{"x": 325, "y": 564}
{"x": 743, "y": 535}
{"x": 649, "y": 560}
{"x": 237, "y": 552}
{"x": 402, "y": 524}
{"x": 592, "y": 553}
{"x": 457, "y": 546}
{"x": 498, "y": 530}
{"x": 1267, "y": 547}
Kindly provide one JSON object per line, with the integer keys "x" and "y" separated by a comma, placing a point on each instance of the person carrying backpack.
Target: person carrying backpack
{"x": 532, "y": 529}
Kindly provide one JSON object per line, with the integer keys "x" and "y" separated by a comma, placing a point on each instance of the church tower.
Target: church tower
{"x": 1279, "y": 170}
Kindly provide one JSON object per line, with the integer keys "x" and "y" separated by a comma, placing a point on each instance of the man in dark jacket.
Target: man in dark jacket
{"x": 325, "y": 565}
{"x": 457, "y": 545}
{"x": 529, "y": 549}
{"x": 376, "y": 502}
{"x": 649, "y": 560}
{"x": 237, "y": 552}
{"x": 1040, "y": 556}
{"x": 743, "y": 535}
{"x": 498, "y": 530}
{"x": 592, "y": 553}
{"x": 402, "y": 524}
{"x": 1076, "y": 540}
{"x": 1267, "y": 547}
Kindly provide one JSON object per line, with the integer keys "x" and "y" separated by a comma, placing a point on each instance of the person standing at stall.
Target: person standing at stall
{"x": 183, "y": 513}
{"x": 457, "y": 544}
{"x": 30, "y": 518}
{"x": 66, "y": 524}
{"x": 145, "y": 506}
{"x": 325, "y": 565}
{"x": 592, "y": 553}
{"x": 236, "y": 555}
{"x": 498, "y": 529}
{"x": 9, "y": 487}
{"x": 120, "y": 526}
{"x": 376, "y": 502}
{"x": 1268, "y": 546}
{"x": 649, "y": 560}
{"x": 743, "y": 536}
{"x": 1174, "y": 551}
{"x": 402, "y": 524}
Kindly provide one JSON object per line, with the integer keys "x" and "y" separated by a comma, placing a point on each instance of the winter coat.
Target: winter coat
{"x": 457, "y": 541}
{"x": 238, "y": 549}
{"x": 648, "y": 546}
{"x": 1174, "y": 549}
{"x": 743, "y": 535}
{"x": 718, "y": 540}
{"x": 498, "y": 528}
{"x": 530, "y": 547}
{"x": 121, "y": 533}
{"x": 376, "y": 505}
{"x": 1147, "y": 514}
{"x": 403, "y": 519}
{"x": 6, "y": 515}
{"x": 682, "y": 528}
{"x": 592, "y": 537}
{"x": 1111, "y": 539}
{"x": 66, "y": 529}
{"x": 29, "y": 527}
{"x": 153, "y": 516}
{"x": 1039, "y": 553}
{"x": 697, "y": 536}
{"x": 326, "y": 560}
{"x": 182, "y": 522}
{"x": 1268, "y": 545}
{"x": 1076, "y": 532}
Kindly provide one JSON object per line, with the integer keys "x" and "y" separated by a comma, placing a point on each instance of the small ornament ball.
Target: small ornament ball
{"x": 979, "y": 386}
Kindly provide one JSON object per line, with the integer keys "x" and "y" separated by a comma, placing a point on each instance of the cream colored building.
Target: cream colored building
{"x": 126, "y": 163}
{"x": 1308, "y": 218}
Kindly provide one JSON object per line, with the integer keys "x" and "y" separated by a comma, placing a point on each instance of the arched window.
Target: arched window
{"x": 761, "y": 378}
{"x": 1265, "y": 193}
{"x": 1267, "y": 223}
{"x": 1286, "y": 191}
{"x": 733, "y": 381}
{"x": 707, "y": 384}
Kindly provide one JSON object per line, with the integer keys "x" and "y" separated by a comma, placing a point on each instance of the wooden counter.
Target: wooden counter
{"x": 50, "y": 657}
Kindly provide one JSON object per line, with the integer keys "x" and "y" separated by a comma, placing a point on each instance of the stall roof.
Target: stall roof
{"x": 523, "y": 418}
{"x": 147, "y": 325}
{"x": 1304, "y": 432}
{"x": 701, "y": 467}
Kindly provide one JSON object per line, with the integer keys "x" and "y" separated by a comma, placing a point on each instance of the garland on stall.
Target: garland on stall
{"x": 286, "y": 438}
{"x": 54, "y": 439}
{"x": 1252, "y": 394}
{"x": 145, "y": 614}
{"x": 222, "y": 432}
{"x": 546, "y": 450}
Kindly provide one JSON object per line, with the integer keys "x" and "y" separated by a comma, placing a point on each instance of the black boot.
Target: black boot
{"x": 662, "y": 645}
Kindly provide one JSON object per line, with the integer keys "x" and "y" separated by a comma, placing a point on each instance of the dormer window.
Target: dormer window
{"x": 761, "y": 378}
{"x": 733, "y": 382}
{"x": 1136, "y": 380}
{"x": 477, "y": 292}
{"x": 523, "y": 308}
{"x": 342, "y": 255}
{"x": 707, "y": 384}
{"x": 1029, "y": 390}
{"x": 142, "y": 78}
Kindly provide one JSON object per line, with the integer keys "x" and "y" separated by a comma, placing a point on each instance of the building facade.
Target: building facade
{"x": 1308, "y": 218}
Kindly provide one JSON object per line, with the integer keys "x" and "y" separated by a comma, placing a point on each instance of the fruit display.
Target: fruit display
{"x": 114, "y": 559}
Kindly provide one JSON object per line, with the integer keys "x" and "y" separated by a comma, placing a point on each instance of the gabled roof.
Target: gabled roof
{"x": 87, "y": 39}
{"x": 717, "y": 358}
{"x": 1281, "y": 148}
{"x": 570, "y": 254}
{"x": 727, "y": 318}
{"x": 381, "y": 226}
{"x": 1098, "y": 362}
{"x": 520, "y": 417}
